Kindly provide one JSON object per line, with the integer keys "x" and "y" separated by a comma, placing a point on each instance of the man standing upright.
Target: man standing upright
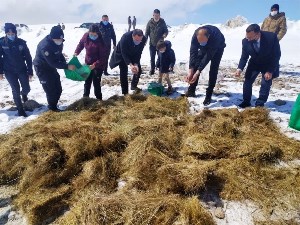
{"x": 264, "y": 49}
{"x": 108, "y": 34}
{"x": 134, "y": 22}
{"x": 129, "y": 23}
{"x": 275, "y": 22}
{"x": 207, "y": 44}
{"x": 128, "y": 53}
{"x": 157, "y": 30}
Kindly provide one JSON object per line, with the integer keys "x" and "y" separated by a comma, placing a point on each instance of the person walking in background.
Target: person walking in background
{"x": 48, "y": 59}
{"x": 108, "y": 34}
{"x": 264, "y": 49}
{"x": 128, "y": 53}
{"x": 16, "y": 64}
{"x": 134, "y": 22}
{"x": 157, "y": 30}
{"x": 63, "y": 27}
{"x": 95, "y": 57}
{"x": 275, "y": 22}
{"x": 129, "y": 23}
{"x": 207, "y": 44}
{"x": 165, "y": 62}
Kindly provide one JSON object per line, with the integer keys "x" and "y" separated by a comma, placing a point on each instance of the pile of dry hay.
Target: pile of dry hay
{"x": 68, "y": 165}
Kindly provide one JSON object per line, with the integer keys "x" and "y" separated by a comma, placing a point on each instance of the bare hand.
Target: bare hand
{"x": 238, "y": 73}
{"x": 71, "y": 67}
{"x": 92, "y": 66}
{"x": 134, "y": 69}
{"x": 268, "y": 76}
{"x": 1, "y": 77}
{"x": 30, "y": 77}
{"x": 195, "y": 77}
{"x": 189, "y": 76}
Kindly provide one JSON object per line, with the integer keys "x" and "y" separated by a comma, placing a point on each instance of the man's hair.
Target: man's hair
{"x": 156, "y": 11}
{"x": 138, "y": 32}
{"x": 104, "y": 16}
{"x": 253, "y": 27}
{"x": 94, "y": 28}
{"x": 160, "y": 45}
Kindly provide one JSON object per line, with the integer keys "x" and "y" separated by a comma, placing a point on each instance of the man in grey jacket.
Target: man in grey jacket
{"x": 157, "y": 30}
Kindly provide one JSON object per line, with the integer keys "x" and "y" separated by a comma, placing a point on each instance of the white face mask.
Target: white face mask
{"x": 273, "y": 13}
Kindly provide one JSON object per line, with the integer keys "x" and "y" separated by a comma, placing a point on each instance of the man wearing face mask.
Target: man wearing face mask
{"x": 264, "y": 49}
{"x": 207, "y": 44}
{"x": 16, "y": 64}
{"x": 157, "y": 30}
{"x": 48, "y": 59}
{"x": 275, "y": 22}
{"x": 128, "y": 53}
{"x": 108, "y": 35}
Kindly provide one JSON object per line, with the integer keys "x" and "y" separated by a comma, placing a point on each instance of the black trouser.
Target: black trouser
{"x": 129, "y": 27}
{"x": 153, "y": 52}
{"x": 213, "y": 74}
{"x": 14, "y": 80}
{"x": 124, "y": 78}
{"x": 107, "y": 54}
{"x": 94, "y": 77}
{"x": 50, "y": 81}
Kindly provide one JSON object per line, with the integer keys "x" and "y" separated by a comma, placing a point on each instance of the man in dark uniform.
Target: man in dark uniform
{"x": 128, "y": 52}
{"x": 264, "y": 49}
{"x": 13, "y": 55}
{"x": 48, "y": 59}
{"x": 207, "y": 44}
{"x": 108, "y": 34}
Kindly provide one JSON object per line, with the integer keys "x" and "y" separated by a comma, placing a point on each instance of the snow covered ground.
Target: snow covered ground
{"x": 228, "y": 92}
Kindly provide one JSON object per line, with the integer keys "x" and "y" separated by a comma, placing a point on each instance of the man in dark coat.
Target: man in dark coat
{"x": 264, "y": 49}
{"x": 16, "y": 64}
{"x": 108, "y": 35}
{"x": 47, "y": 60}
{"x": 129, "y": 23}
{"x": 157, "y": 30}
{"x": 134, "y": 22}
{"x": 128, "y": 52}
{"x": 207, "y": 44}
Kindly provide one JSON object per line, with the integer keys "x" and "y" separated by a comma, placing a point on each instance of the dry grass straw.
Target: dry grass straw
{"x": 167, "y": 157}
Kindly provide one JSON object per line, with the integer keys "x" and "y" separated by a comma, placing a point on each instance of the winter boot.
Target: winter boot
{"x": 21, "y": 112}
{"x": 24, "y": 98}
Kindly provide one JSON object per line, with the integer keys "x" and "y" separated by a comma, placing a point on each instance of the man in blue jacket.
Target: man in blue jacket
{"x": 16, "y": 64}
{"x": 47, "y": 60}
{"x": 108, "y": 34}
{"x": 128, "y": 53}
{"x": 207, "y": 44}
{"x": 264, "y": 49}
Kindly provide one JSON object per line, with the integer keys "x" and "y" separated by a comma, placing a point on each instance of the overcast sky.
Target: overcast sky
{"x": 175, "y": 12}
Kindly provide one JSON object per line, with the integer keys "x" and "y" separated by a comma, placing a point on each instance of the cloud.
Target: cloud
{"x": 77, "y": 11}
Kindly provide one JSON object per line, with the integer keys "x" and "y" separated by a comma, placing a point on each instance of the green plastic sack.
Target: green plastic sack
{"x": 295, "y": 115}
{"x": 156, "y": 89}
{"x": 81, "y": 73}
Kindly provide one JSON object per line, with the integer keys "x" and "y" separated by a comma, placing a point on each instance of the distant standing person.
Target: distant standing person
{"x": 108, "y": 35}
{"x": 129, "y": 23}
{"x": 94, "y": 57}
{"x": 128, "y": 53}
{"x": 157, "y": 30}
{"x": 264, "y": 49}
{"x": 63, "y": 27}
{"x": 275, "y": 22}
{"x": 165, "y": 62}
{"x": 207, "y": 44}
{"x": 134, "y": 22}
{"x": 48, "y": 59}
{"x": 16, "y": 64}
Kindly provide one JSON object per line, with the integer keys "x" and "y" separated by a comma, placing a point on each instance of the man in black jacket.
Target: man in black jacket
{"x": 157, "y": 30}
{"x": 47, "y": 60}
{"x": 108, "y": 34}
{"x": 207, "y": 44}
{"x": 264, "y": 49}
{"x": 128, "y": 52}
{"x": 16, "y": 64}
